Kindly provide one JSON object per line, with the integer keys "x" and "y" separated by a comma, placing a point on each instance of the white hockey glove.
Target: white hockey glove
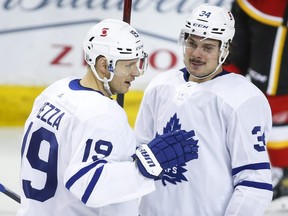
{"x": 166, "y": 151}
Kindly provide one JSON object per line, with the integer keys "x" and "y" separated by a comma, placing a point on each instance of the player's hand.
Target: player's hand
{"x": 166, "y": 151}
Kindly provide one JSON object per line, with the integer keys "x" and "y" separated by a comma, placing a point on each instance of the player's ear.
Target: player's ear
{"x": 101, "y": 64}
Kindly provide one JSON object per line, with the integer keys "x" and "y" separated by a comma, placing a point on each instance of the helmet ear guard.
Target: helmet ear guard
{"x": 223, "y": 55}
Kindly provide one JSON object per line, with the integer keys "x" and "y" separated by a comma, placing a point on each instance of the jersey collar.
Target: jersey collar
{"x": 76, "y": 86}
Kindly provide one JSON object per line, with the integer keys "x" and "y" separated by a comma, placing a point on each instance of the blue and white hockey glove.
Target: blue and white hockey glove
{"x": 166, "y": 151}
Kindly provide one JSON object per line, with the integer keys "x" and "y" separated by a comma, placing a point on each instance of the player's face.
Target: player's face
{"x": 124, "y": 74}
{"x": 201, "y": 56}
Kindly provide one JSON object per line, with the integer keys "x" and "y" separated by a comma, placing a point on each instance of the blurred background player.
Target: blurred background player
{"x": 230, "y": 117}
{"x": 260, "y": 52}
{"x": 77, "y": 145}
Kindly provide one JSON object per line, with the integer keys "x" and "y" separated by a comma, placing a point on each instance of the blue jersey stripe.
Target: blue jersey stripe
{"x": 258, "y": 185}
{"x": 255, "y": 166}
{"x": 82, "y": 172}
{"x": 92, "y": 184}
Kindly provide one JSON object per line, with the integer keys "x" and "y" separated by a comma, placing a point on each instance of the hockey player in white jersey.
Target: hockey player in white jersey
{"x": 77, "y": 146}
{"x": 231, "y": 120}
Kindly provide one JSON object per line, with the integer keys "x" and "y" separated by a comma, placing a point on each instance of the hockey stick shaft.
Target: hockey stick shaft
{"x": 10, "y": 193}
{"x": 127, "y": 11}
{"x": 126, "y": 18}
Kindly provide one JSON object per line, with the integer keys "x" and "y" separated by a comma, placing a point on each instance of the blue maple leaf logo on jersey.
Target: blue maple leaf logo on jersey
{"x": 175, "y": 174}
{"x": 172, "y": 125}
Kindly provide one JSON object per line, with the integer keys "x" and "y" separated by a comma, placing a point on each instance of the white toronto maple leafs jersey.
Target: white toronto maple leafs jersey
{"x": 231, "y": 119}
{"x": 76, "y": 156}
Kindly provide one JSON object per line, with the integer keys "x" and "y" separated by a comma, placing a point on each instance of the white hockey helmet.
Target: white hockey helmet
{"x": 213, "y": 22}
{"x": 115, "y": 40}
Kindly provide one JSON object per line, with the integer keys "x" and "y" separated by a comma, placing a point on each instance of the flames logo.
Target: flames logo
{"x": 104, "y": 32}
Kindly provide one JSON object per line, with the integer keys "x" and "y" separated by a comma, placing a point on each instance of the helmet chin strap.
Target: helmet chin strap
{"x": 104, "y": 80}
{"x": 106, "y": 85}
{"x": 220, "y": 62}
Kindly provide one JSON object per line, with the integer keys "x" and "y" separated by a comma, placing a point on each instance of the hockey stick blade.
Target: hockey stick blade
{"x": 10, "y": 193}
